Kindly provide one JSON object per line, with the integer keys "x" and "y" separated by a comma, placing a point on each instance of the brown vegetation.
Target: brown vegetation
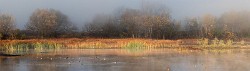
{"x": 96, "y": 43}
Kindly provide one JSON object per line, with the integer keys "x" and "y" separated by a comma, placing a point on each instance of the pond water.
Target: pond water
{"x": 124, "y": 60}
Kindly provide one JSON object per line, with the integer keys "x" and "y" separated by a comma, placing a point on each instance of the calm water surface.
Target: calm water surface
{"x": 123, "y": 60}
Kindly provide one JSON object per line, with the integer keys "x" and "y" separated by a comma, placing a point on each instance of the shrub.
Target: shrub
{"x": 204, "y": 42}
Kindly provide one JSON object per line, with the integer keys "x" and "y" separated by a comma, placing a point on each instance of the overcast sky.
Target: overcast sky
{"x": 80, "y": 11}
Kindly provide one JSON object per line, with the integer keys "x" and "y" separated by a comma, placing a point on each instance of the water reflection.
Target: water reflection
{"x": 121, "y": 60}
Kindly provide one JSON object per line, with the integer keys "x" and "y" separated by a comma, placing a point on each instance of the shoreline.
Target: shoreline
{"x": 97, "y": 43}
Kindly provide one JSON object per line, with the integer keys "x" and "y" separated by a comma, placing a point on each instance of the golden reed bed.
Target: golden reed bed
{"x": 98, "y": 43}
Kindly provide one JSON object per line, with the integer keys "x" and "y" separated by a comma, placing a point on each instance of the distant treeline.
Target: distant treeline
{"x": 146, "y": 22}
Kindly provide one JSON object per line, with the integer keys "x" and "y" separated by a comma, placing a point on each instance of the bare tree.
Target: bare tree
{"x": 95, "y": 28}
{"x": 49, "y": 23}
{"x": 157, "y": 20}
{"x": 129, "y": 21}
{"x": 236, "y": 23}
{"x": 208, "y": 22}
{"x": 193, "y": 27}
{"x": 7, "y": 26}
{"x": 148, "y": 22}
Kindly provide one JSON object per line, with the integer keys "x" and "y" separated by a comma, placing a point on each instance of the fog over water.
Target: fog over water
{"x": 81, "y": 11}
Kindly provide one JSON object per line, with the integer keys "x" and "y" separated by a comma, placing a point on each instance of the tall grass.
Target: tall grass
{"x": 203, "y": 42}
{"x": 242, "y": 42}
{"x": 22, "y": 47}
{"x": 215, "y": 43}
{"x": 135, "y": 46}
{"x": 40, "y": 45}
{"x": 116, "y": 43}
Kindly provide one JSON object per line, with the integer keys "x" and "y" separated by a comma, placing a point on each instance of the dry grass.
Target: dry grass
{"x": 95, "y": 43}
{"x": 74, "y": 43}
{"x": 116, "y": 43}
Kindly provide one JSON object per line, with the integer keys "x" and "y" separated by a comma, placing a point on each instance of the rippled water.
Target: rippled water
{"x": 123, "y": 60}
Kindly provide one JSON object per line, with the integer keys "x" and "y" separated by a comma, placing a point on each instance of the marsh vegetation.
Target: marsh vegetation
{"x": 131, "y": 39}
{"x": 129, "y": 44}
{"x": 144, "y": 28}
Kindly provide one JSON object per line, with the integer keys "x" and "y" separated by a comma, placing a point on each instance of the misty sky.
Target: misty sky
{"x": 81, "y": 11}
